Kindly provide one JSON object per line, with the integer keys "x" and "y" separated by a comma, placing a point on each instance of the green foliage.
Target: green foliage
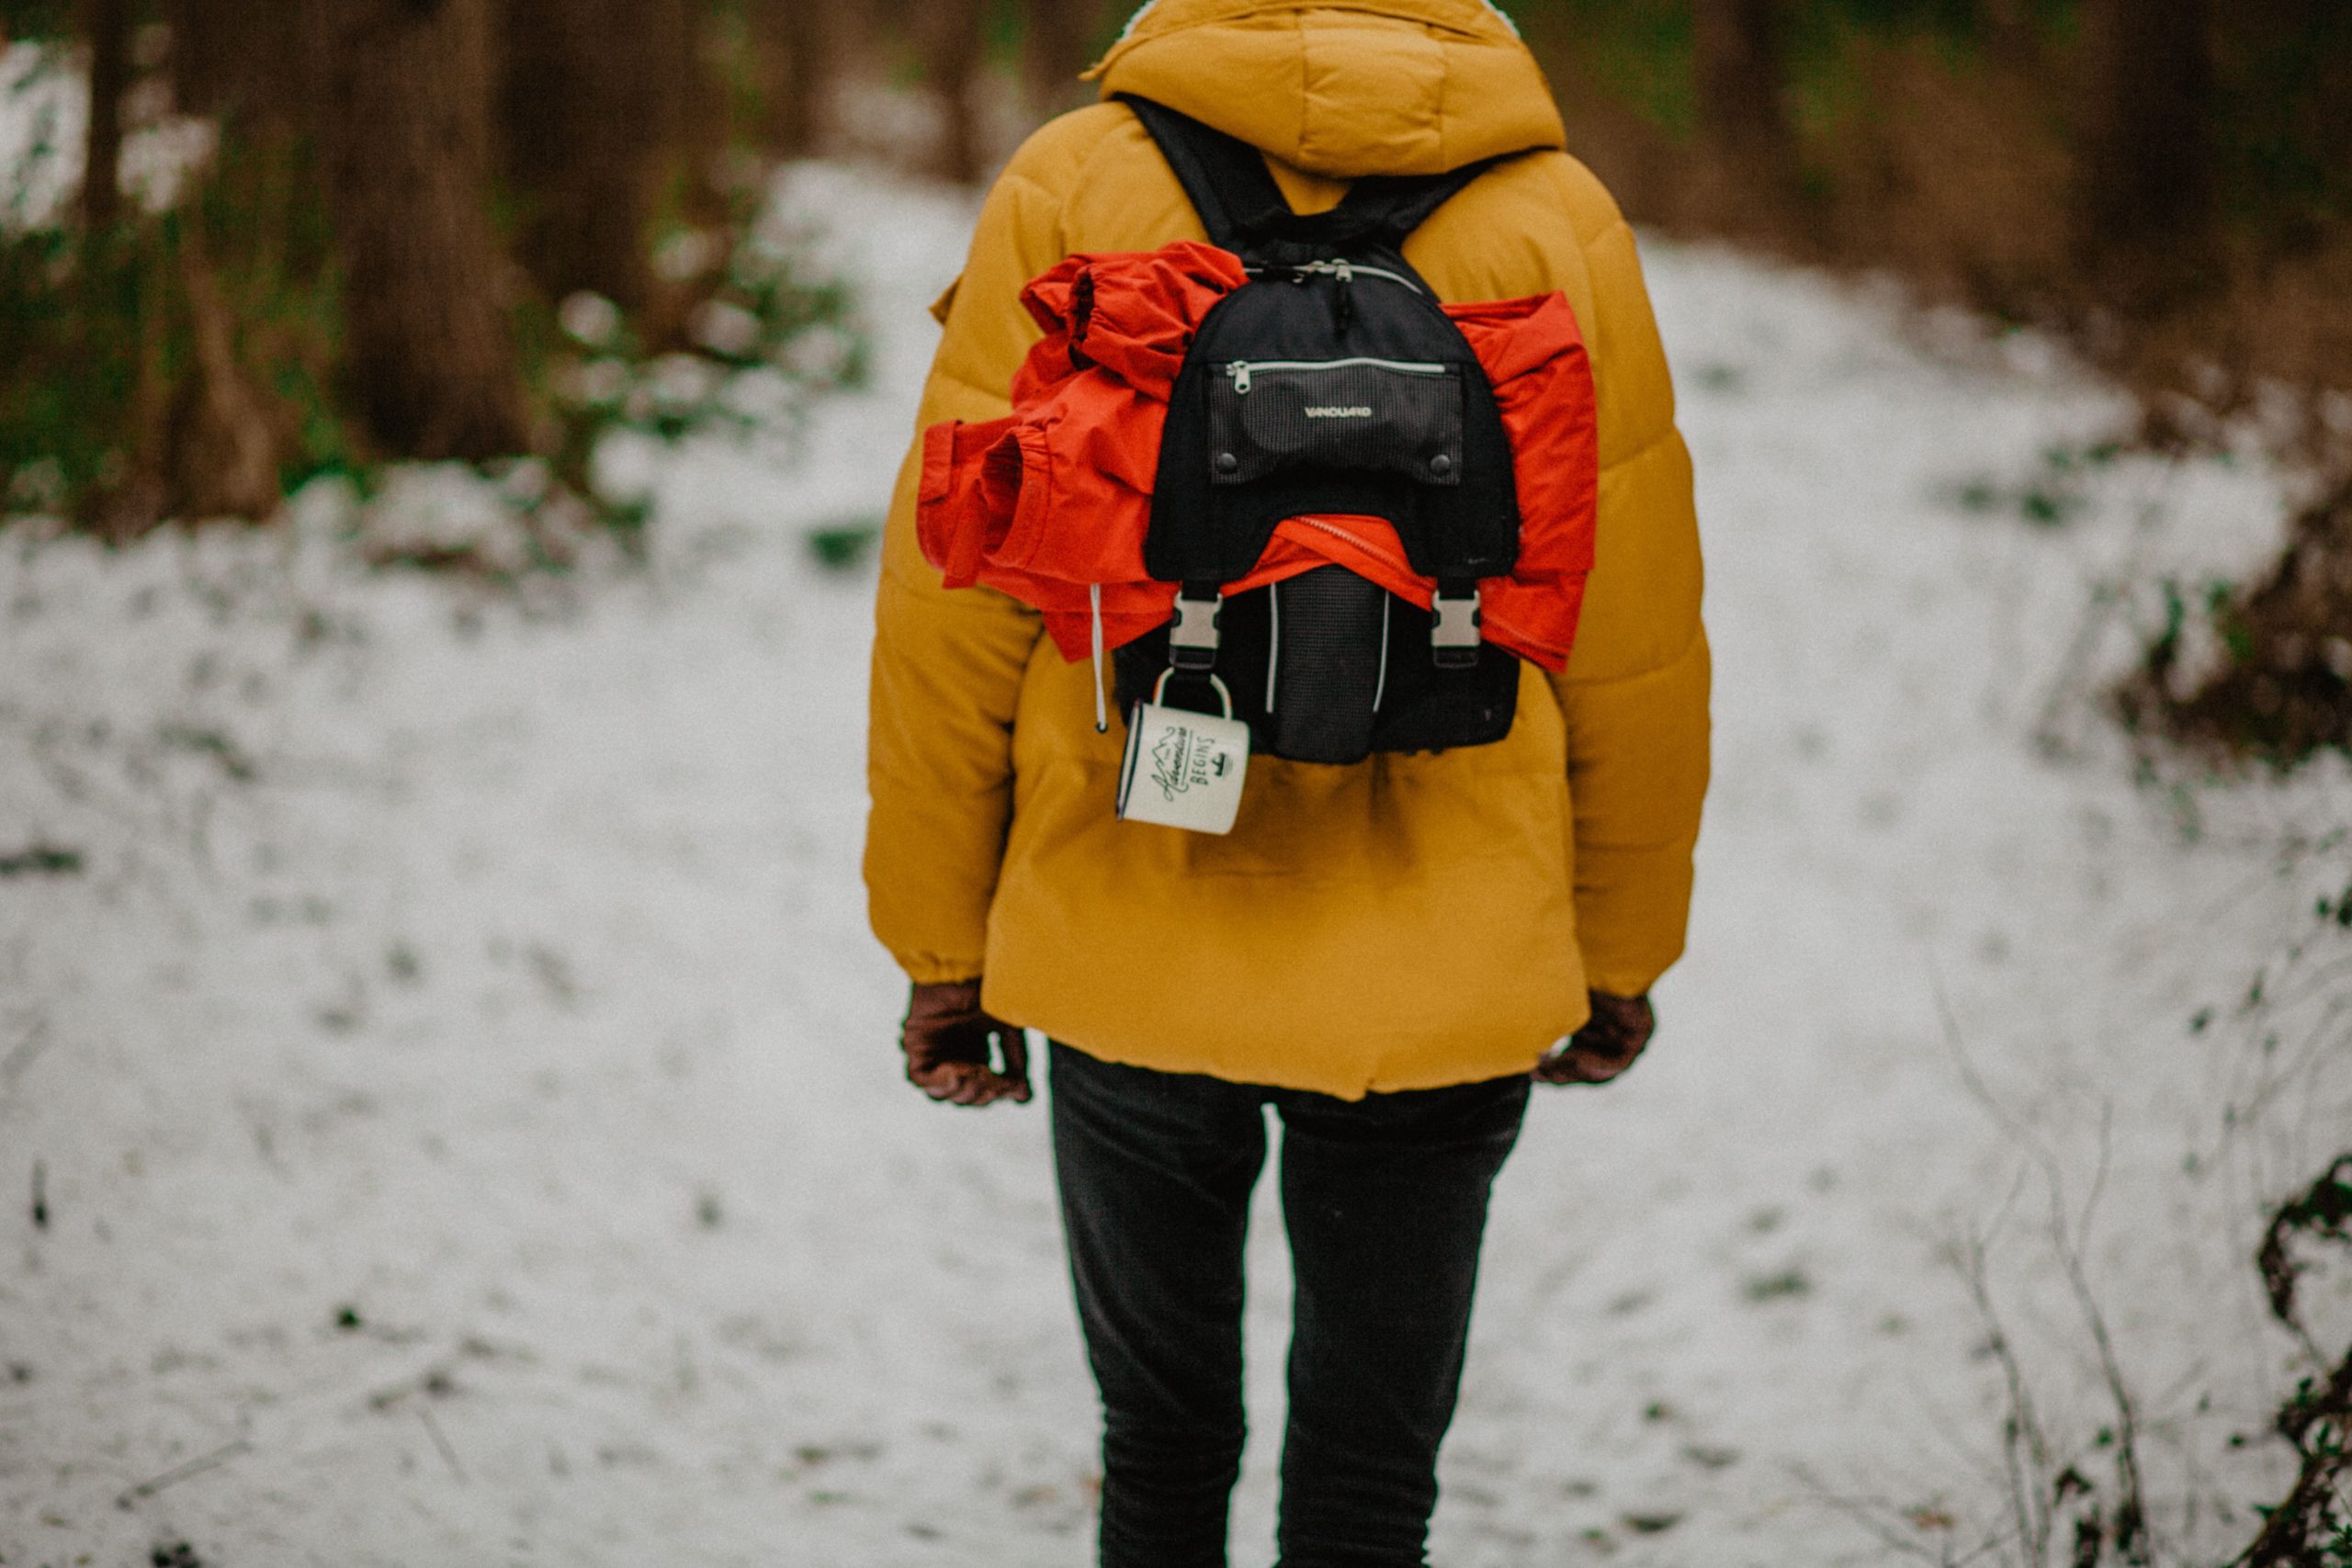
{"x": 2049, "y": 498}
{"x": 844, "y": 546}
{"x": 2283, "y": 85}
{"x": 41, "y": 859}
{"x": 103, "y": 332}
{"x": 1786, "y": 1284}
{"x": 2285, "y": 69}
{"x": 103, "y": 335}
{"x": 35, "y": 21}
{"x": 1002, "y": 23}
{"x": 1638, "y": 52}
{"x": 50, "y": 449}
{"x": 764, "y": 335}
{"x": 2282, "y": 690}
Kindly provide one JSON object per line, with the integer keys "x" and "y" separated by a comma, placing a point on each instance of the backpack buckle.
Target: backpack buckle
{"x": 1454, "y": 638}
{"x": 1192, "y": 641}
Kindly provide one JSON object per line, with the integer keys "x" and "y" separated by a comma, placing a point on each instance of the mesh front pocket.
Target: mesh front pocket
{"x": 1323, "y": 672}
{"x": 1365, "y": 415}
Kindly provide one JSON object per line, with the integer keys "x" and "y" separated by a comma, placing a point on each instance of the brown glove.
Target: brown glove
{"x": 1606, "y": 1046}
{"x": 946, "y": 1039}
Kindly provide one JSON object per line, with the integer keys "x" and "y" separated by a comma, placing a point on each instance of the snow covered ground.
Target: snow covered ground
{"x": 449, "y": 1112}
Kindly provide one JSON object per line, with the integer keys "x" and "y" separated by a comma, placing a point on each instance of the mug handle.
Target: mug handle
{"x": 1160, "y": 689}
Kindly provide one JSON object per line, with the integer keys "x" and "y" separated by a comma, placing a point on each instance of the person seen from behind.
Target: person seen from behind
{"x": 1390, "y": 952}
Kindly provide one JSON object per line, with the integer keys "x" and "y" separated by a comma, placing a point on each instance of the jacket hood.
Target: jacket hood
{"x": 1342, "y": 89}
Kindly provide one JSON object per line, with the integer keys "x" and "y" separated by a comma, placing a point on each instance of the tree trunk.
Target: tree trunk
{"x": 694, "y": 121}
{"x": 578, "y": 112}
{"x": 429, "y": 366}
{"x": 1058, "y": 42}
{"x": 955, "y": 44}
{"x": 602, "y": 104}
{"x": 2012, "y": 36}
{"x": 798, "y": 46}
{"x": 221, "y": 445}
{"x": 109, "y": 26}
{"x": 2145, "y": 183}
{"x": 246, "y": 60}
{"x": 1744, "y": 123}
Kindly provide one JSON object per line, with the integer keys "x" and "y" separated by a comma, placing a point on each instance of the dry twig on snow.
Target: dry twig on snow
{"x": 2315, "y": 1517}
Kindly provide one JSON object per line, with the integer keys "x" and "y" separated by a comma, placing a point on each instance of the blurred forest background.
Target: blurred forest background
{"x": 256, "y": 250}
{"x": 322, "y": 235}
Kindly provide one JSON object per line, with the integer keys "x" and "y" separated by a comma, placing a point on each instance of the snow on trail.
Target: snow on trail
{"x": 462, "y": 1094}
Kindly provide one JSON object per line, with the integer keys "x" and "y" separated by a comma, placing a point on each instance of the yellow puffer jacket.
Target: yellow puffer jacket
{"x": 1408, "y": 922}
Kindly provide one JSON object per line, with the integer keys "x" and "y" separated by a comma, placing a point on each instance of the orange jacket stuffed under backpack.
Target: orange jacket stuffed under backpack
{"x": 1053, "y": 502}
{"x": 1406, "y": 922}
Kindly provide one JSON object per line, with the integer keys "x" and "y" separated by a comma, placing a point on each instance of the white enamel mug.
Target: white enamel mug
{"x": 1183, "y": 769}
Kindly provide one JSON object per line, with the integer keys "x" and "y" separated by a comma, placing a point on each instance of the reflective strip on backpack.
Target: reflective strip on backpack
{"x": 1240, "y": 370}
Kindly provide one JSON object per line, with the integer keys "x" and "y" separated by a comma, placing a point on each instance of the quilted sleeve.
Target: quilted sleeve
{"x": 948, "y": 665}
{"x": 1636, "y": 691}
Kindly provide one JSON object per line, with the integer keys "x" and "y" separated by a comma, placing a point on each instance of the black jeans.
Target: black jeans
{"x": 1385, "y": 1202}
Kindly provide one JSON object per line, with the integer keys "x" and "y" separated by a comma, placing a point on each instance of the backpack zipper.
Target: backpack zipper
{"x": 1342, "y": 270}
{"x": 1242, "y": 369}
{"x": 1336, "y": 531}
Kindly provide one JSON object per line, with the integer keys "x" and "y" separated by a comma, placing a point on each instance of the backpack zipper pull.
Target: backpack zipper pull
{"x": 1344, "y": 310}
{"x": 1240, "y": 370}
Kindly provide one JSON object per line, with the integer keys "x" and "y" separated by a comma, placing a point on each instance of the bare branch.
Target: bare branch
{"x": 178, "y": 1473}
{"x": 1879, "y": 1518}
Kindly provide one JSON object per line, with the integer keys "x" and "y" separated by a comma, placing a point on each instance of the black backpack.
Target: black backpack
{"x": 1330, "y": 383}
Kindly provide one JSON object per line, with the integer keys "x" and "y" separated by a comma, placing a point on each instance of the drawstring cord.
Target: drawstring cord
{"x": 1102, "y": 705}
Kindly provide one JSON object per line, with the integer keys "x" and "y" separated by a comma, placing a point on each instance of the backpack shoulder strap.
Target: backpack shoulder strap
{"x": 1225, "y": 176}
{"x": 1390, "y": 207}
{"x": 1240, "y": 205}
